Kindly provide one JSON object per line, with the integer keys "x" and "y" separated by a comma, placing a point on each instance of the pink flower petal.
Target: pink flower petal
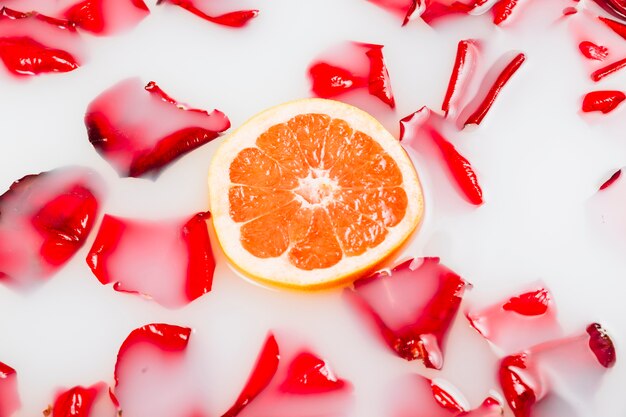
{"x": 168, "y": 261}
{"x": 293, "y": 383}
{"x": 9, "y": 395}
{"x": 154, "y": 376}
{"x": 45, "y": 219}
{"x": 121, "y": 124}
{"x": 518, "y": 322}
{"x": 566, "y": 370}
{"x": 412, "y": 306}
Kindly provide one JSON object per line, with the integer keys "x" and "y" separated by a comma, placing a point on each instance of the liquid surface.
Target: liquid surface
{"x": 539, "y": 160}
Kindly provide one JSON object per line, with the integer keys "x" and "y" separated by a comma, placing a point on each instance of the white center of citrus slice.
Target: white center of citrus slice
{"x": 317, "y": 188}
{"x": 312, "y": 192}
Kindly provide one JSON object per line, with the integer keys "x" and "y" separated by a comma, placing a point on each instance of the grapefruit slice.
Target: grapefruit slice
{"x": 312, "y": 194}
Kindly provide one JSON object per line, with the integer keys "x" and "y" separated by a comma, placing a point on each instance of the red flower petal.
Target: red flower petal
{"x": 411, "y": 125}
{"x": 516, "y": 382}
{"x": 560, "y": 368}
{"x": 170, "y": 262}
{"x": 518, "y": 322}
{"x": 379, "y": 84}
{"x": 105, "y": 17}
{"x": 262, "y": 374}
{"x": 602, "y": 101}
{"x": 534, "y": 303}
{"x": 489, "y": 408}
{"x": 503, "y": 78}
{"x": 616, "y": 7}
{"x": 355, "y": 66}
{"x": 121, "y": 126}
{"x": 592, "y": 51}
{"x": 614, "y": 177}
{"x": 417, "y": 396}
{"x": 437, "y": 9}
{"x": 615, "y": 26}
{"x": 309, "y": 374}
{"x": 153, "y": 375}
{"x": 77, "y": 401}
{"x": 466, "y": 56}
{"x": 9, "y": 396}
{"x": 232, "y": 19}
{"x": 45, "y": 220}
{"x": 294, "y": 384}
{"x": 601, "y": 345}
{"x": 503, "y": 10}
{"x": 608, "y": 70}
{"x": 413, "y": 306}
{"x": 32, "y": 44}
{"x": 399, "y": 8}
{"x": 329, "y": 81}
{"x": 460, "y": 169}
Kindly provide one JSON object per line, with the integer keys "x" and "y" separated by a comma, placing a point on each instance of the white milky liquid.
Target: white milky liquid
{"x": 539, "y": 162}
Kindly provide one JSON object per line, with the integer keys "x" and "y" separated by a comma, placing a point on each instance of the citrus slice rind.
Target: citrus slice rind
{"x": 279, "y": 270}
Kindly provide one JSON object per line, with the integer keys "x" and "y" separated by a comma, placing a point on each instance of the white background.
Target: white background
{"x": 538, "y": 160}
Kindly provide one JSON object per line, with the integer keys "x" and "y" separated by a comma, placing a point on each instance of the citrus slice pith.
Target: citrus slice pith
{"x": 311, "y": 194}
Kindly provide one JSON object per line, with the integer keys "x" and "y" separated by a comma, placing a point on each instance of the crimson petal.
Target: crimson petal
{"x": 517, "y": 322}
{"x": 293, "y": 384}
{"x": 169, "y": 261}
{"x": 105, "y": 17}
{"x": 355, "y": 66}
{"x": 46, "y": 218}
{"x": 417, "y": 396}
{"x": 413, "y": 306}
{"x": 565, "y": 369}
{"x": 32, "y": 43}
{"x": 9, "y": 396}
{"x": 154, "y": 376}
{"x": 82, "y": 401}
{"x": 234, "y": 19}
{"x": 121, "y": 125}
